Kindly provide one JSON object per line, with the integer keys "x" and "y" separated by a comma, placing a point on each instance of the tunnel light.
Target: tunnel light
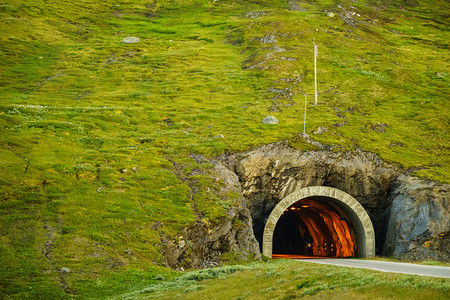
{"x": 305, "y": 206}
{"x": 292, "y": 208}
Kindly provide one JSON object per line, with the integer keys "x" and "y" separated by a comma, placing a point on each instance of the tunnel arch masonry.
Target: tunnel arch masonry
{"x": 360, "y": 220}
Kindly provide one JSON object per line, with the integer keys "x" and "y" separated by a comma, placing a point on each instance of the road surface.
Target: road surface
{"x": 384, "y": 266}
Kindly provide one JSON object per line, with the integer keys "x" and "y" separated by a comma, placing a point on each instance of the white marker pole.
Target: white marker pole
{"x": 316, "y": 52}
{"x": 304, "y": 119}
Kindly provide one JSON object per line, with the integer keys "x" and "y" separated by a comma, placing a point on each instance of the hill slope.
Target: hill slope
{"x": 92, "y": 129}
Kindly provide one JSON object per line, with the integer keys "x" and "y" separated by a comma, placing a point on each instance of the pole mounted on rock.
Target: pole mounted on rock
{"x": 316, "y": 53}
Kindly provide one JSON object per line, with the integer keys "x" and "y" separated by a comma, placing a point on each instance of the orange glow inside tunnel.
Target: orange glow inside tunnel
{"x": 313, "y": 228}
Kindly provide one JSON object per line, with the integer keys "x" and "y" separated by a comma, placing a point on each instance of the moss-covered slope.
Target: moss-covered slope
{"x": 91, "y": 128}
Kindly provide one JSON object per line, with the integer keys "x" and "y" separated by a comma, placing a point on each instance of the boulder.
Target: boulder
{"x": 270, "y": 120}
{"x": 130, "y": 40}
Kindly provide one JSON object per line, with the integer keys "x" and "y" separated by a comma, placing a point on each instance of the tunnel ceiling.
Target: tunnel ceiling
{"x": 330, "y": 216}
{"x": 314, "y": 228}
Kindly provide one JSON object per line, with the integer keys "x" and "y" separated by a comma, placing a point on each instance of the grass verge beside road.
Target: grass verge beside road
{"x": 287, "y": 279}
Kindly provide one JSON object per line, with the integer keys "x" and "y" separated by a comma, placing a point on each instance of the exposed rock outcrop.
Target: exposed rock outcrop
{"x": 270, "y": 173}
{"x": 419, "y": 221}
{"x": 203, "y": 244}
{"x": 410, "y": 215}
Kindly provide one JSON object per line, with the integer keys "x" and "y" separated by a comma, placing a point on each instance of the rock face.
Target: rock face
{"x": 270, "y": 173}
{"x": 419, "y": 220}
{"x": 206, "y": 243}
{"x": 410, "y": 216}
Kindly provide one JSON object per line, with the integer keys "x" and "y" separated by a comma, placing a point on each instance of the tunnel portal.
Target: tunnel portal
{"x": 319, "y": 221}
{"x": 313, "y": 228}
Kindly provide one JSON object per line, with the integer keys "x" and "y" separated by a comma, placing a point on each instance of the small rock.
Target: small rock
{"x": 256, "y": 14}
{"x": 297, "y": 79}
{"x": 377, "y": 127}
{"x": 168, "y": 122}
{"x": 340, "y": 124}
{"x": 65, "y": 270}
{"x": 274, "y": 108}
{"x": 268, "y": 39}
{"x": 130, "y": 40}
{"x": 277, "y": 90}
{"x": 270, "y": 120}
{"x": 397, "y": 145}
{"x": 220, "y": 136}
{"x": 330, "y": 14}
{"x": 289, "y": 58}
{"x": 111, "y": 58}
{"x": 308, "y": 139}
{"x": 293, "y": 5}
{"x": 396, "y": 32}
{"x": 128, "y": 251}
{"x": 277, "y": 49}
{"x": 321, "y": 130}
{"x": 123, "y": 170}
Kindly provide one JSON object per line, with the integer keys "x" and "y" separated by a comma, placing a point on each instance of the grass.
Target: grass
{"x": 286, "y": 279}
{"x": 91, "y": 129}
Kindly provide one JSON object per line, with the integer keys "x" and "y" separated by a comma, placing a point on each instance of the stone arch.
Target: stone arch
{"x": 360, "y": 220}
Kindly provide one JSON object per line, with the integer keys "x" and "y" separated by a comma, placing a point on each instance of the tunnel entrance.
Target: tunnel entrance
{"x": 319, "y": 221}
{"x": 313, "y": 228}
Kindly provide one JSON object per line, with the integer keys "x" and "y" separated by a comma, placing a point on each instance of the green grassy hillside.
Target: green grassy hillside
{"x": 90, "y": 127}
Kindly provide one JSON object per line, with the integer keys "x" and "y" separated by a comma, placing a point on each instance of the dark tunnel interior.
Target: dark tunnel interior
{"x": 314, "y": 228}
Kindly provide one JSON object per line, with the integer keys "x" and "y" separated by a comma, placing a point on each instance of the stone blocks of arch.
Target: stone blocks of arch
{"x": 360, "y": 219}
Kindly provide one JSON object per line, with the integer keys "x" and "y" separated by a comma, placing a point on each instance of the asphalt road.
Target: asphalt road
{"x": 384, "y": 266}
